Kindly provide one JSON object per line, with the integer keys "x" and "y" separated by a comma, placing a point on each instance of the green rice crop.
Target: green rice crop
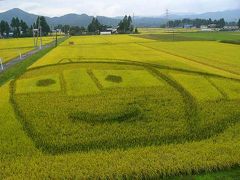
{"x": 131, "y": 78}
{"x": 198, "y": 86}
{"x": 122, "y": 107}
{"x": 230, "y": 87}
{"x": 77, "y": 114}
{"x": 78, "y": 83}
{"x": 204, "y": 53}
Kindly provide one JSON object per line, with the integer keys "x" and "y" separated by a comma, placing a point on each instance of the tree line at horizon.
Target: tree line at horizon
{"x": 125, "y": 26}
{"x": 200, "y": 22}
{"x": 19, "y": 28}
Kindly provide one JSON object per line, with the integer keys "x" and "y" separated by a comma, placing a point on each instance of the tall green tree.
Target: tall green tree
{"x": 66, "y": 29}
{"x": 125, "y": 25}
{"x": 7, "y": 28}
{"x": 239, "y": 23}
{"x": 129, "y": 24}
{"x": 76, "y": 30}
{"x": 95, "y": 26}
{"x": 221, "y": 23}
{"x": 44, "y": 25}
{"x": 15, "y": 24}
{"x": 24, "y": 27}
{"x": 2, "y": 27}
{"x": 18, "y": 28}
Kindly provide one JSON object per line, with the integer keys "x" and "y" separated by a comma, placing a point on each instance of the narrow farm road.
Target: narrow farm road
{"x": 26, "y": 55}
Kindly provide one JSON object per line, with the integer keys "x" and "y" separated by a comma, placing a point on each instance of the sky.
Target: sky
{"x": 113, "y": 8}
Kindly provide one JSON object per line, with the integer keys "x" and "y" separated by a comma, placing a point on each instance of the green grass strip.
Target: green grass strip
{"x": 19, "y": 68}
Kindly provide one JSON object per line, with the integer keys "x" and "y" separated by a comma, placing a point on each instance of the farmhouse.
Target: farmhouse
{"x": 109, "y": 31}
{"x": 113, "y": 30}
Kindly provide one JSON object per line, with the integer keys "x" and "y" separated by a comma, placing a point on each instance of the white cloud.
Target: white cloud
{"x": 117, "y": 8}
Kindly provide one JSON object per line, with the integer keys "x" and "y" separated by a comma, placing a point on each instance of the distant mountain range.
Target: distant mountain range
{"x": 84, "y": 19}
{"x": 69, "y": 19}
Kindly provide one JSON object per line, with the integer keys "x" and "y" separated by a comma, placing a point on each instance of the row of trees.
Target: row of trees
{"x": 45, "y": 28}
{"x": 199, "y": 22}
{"x": 95, "y": 26}
{"x": 4, "y": 28}
{"x": 124, "y": 26}
{"x": 72, "y": 30}
{"x": 19, "y": 28}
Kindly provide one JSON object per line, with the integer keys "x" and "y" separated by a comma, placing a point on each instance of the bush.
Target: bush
{"x": 113, "y": 78}
{"x": 45, "y": 82}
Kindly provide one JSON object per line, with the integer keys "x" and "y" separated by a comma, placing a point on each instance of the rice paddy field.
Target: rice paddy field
{"x": 11, "y": 48}
{"x": 124, "y": 107}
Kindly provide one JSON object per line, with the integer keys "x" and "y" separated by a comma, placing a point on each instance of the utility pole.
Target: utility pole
{"x": 35, "y": 37}
{"x": 40, "y": 32}
{"x": 56, "y": 41}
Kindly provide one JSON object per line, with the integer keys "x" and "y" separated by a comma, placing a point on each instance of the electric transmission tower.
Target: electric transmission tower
{"x": 168, "y": 24}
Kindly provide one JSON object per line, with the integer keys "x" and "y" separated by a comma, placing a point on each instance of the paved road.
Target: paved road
{"x": 25, "y": 56}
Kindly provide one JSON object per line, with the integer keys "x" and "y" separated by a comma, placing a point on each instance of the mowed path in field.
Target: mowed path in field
{"x": 208, "y": 57}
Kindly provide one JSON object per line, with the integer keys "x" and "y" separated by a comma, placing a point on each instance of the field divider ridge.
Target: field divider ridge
{"x": 94, "y": 79}
{"x": 191, "y": 105}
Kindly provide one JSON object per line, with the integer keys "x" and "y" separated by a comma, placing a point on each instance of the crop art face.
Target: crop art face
{"x": 78, "y": 107}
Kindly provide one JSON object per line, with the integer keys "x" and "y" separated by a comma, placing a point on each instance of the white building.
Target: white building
{"x": 106, "y": 33}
